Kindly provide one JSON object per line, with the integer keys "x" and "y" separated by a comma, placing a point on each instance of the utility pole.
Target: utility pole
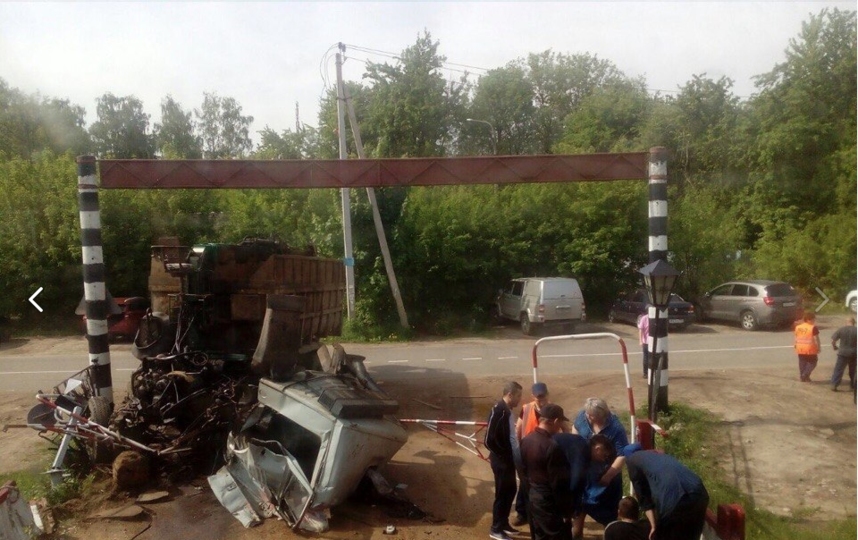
{"x": 348, "y": 260}
{"x": 376, "y": 217}
{"x": 658, "y": 321}
{"x": 298, "y": 128}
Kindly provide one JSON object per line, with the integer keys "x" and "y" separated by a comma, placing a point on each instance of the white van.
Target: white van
{"x": 541, "y": 301}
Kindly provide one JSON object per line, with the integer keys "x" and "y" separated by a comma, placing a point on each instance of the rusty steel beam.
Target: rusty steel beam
{"x": 334, "y": 173}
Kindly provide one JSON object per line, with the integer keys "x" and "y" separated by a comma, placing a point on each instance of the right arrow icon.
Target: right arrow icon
{"x": 825, "y": 300}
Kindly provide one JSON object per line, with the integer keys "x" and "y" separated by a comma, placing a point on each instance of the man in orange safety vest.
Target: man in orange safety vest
{"x": 807, "y": 346}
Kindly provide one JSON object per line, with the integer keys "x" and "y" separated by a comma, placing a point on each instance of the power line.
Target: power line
{"x": 396, "y": 56}
{"x": 367, "y": 61}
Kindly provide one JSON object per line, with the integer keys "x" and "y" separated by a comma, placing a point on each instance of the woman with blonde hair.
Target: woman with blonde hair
{"x": 604, "y": 479}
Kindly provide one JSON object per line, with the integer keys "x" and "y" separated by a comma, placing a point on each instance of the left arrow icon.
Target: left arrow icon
{"x": 33, "y": 301}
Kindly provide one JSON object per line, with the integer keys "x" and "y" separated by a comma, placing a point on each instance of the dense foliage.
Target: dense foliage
{"x": 761, "y": 187}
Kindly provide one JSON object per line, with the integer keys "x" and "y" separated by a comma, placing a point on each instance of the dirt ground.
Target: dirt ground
{"x": 790, "y": 446}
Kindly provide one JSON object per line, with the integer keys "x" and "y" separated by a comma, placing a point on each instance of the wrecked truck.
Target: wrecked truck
{"x": 233, "y": 374}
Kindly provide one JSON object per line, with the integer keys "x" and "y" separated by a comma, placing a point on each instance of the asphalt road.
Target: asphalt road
{"x": 506, "y": 353}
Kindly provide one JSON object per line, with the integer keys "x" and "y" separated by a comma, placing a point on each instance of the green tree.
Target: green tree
{"x": 504, "y": 98}
{"x": 175, "y": 135}
{"x": 803, "y": 169}
{"x": 31, "y": 123}
{"x": 122, "y": 128}
{"x": 301, "y": 144}
{"x": 610, "y": 119}
{"x": 224, "y": 131}
{"x": 412, "y": 106}
{"x": 39, "y": 235}
{"x": 560, "y": 83}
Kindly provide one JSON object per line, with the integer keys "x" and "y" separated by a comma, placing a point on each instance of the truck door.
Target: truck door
{"x": 511, "y": 300}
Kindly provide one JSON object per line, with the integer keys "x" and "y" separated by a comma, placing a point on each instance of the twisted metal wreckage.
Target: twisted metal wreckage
{"x": 231, "y": 371}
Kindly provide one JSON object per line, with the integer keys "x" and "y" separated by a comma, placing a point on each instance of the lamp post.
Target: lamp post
{"x": 492, "y": 132}
{"x": 659, "y": 279}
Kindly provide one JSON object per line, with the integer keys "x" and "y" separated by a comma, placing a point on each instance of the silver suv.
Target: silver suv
{"x": 538, "y": 301}
{"x": 752, "y": 303}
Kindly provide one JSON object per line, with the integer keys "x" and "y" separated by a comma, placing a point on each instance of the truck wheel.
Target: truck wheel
{"x": 98, "y": 409}
{"x": 526, "y": 327}
{"x": 749, "y": 320}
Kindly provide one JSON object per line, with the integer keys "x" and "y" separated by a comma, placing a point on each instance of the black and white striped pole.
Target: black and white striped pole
{"x": 659, "y": 271}
{"x": 94, "y": 289}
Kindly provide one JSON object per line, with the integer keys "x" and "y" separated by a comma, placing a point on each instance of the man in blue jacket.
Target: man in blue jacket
{"x": 673, "y": 498}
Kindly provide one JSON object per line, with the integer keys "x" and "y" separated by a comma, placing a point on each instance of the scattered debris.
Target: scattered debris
{"x": 430, "y": 405}
{"x": 130, "y": 470}
{"x": 16, "y": 517}
{"x": 152, "y": 497}
{"x": 43, "y": 516}
{"x": 129, "y": 511}
{"x": 232, "y": 376}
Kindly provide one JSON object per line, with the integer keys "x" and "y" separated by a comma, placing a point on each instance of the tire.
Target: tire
{"x": 527, "y": 328}
{"x": 99, "y": 410}
{"x": 748, "y": 321}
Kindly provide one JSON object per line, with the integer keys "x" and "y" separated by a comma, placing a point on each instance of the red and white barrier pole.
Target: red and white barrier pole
{"x": 595, "y": 335}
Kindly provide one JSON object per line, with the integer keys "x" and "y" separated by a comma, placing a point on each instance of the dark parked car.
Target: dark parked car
{"x": 752, "y": 304}
{"x": 125, "y": 323}
{"x": 631, "y": 306}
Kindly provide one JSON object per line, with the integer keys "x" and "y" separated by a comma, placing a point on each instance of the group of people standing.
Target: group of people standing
{"x": 807, "y": 347}
{"x": 570, "y": 469}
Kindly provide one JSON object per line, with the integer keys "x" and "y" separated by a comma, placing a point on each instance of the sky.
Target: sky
{"x": 267, "y": 55}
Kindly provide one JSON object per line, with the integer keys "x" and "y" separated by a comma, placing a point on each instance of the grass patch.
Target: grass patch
{"x": 695, "y": 435}
{"x": 34, "y": 483}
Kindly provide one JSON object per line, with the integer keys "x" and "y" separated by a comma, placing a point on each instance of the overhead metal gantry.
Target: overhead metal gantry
{"x": 353, "y": 173}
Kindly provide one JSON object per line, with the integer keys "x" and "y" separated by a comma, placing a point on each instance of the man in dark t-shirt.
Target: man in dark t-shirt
{"x": 547, "y": 472}
{"x": 846, "y": 353}
{"x": 628, "y": 526}
{"x": 672, "y": 496}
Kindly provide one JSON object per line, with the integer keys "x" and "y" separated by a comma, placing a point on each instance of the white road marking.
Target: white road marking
{"x": 397, "y": 361}
{"x": 473, "y": 358}
{"x": 436, "y": 359}
{"x": 507, "y": 357}
{"x": 70, "y": 372}
{"x": 736, "y": 349}
{"x": 685, "y": 351}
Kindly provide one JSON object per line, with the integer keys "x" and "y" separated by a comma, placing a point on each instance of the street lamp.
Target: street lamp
{"x": 659, "y": 279}
{"x": 492, "y": 132}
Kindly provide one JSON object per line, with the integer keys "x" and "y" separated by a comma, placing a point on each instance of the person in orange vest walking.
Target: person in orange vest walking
{"x": 807, "y": 346}
{"x": 527, "y": 423}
